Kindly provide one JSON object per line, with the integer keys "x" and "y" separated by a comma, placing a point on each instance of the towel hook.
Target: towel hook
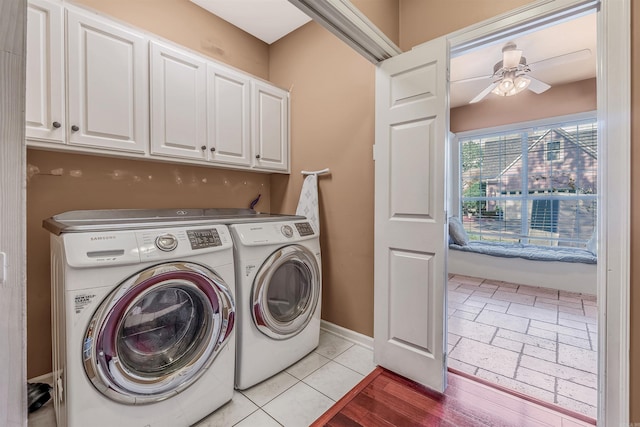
{"x": 324, "y": 171}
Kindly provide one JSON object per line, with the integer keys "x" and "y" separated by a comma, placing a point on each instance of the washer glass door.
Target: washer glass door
{"x": 285, "y": 292}
{"x": 158, "y": 332}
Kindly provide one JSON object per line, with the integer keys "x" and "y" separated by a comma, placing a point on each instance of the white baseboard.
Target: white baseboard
{"x": 46, "y": 378}
{"x": 348, "y": 334}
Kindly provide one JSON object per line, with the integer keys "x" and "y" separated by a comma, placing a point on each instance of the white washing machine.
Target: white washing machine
{"x": 143, "y": 321}
{"x": 278, "y": 293}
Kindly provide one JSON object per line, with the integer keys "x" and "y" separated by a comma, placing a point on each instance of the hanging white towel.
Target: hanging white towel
{"x": 308, "y": 204}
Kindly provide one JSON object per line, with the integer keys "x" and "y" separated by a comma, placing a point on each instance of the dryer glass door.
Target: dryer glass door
{"x": 158, "y": 332}
{"x": 285, "y": 292}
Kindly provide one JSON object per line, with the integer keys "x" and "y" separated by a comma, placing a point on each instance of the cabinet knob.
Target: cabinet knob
{"x": 212, "y": 149}
{"x": 204, "y": 147}
{"x": 257, "y": 156}
{"x": 56, "y": 124}
{"x": 75, "y": 128}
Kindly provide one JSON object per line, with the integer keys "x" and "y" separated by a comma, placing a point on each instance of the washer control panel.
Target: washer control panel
{"x": 304, "y": 228}
{"x": 121, "y": 247}
{"x": 200, "y": 239}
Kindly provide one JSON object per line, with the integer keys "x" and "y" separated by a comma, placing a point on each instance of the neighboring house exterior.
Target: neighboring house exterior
{"x": 547, "y": 177}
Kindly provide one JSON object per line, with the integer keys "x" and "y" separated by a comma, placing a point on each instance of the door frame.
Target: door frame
{"x": 13, "y": 254}
{"x": 614, "y": 124}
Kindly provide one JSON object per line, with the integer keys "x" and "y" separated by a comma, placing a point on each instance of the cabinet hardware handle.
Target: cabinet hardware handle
{"x": 257, "y": 156}
{"x": 56, "y": 124}
{"x": 204, "y": 147}
{"x": 213, "y": 149}
{"x": 75, "y": 128}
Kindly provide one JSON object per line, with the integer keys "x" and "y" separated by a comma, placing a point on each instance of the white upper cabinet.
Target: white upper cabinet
{"x": 270, "y": 127}
{"x": 228, "y": 116}
{"x": 107, "y": 85}
{"x": 45, "y": 112}
{"x": 100, "y": 87}
{"x": 178, "y": 103}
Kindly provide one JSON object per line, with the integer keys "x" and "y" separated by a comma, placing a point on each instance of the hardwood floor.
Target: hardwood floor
{"x": 387, "y": 399}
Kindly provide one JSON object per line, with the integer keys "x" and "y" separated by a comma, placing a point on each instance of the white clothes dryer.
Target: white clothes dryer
{"x": 143, "y": 322}
{"x": 278, "y": 295}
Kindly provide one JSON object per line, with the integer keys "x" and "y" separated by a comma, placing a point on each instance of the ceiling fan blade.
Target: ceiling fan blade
{"x": 472, "y": 79}
{"x": 484, "y": 93}
{"x": 537, "y": 86}
{"x": 511, "y": 58}
{"x": 565, "y": 58}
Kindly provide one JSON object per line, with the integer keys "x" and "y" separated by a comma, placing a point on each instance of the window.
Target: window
{"x": 535, "y": 184}
{"x": 553, "y": 150}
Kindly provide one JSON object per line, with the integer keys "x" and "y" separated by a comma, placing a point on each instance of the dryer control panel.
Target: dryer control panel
{"x": 266, "y": 233}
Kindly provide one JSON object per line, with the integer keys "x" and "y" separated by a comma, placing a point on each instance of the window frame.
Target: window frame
{"x": 455, "y": 184}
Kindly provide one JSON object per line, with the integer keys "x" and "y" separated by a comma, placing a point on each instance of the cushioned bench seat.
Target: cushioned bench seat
{"x": 530, "y": 252}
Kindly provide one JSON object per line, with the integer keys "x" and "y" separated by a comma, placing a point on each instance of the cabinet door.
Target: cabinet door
{"x": 108, "y": 85}
{"x": 44, "y": 109}
{"x": 270, "y": 127}
{"x": 228, "y": 115}
{"x": 178, "y": 103}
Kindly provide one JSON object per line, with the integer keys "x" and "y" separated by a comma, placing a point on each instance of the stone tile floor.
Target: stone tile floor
{"x": 538, "y": 341}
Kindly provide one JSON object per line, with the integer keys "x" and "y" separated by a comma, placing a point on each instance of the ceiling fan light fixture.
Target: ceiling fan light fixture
{"x": 511, "y": 84}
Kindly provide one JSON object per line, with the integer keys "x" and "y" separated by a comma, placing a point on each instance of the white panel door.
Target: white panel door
{"x": 270, "y": 127}
{"x": 44, "y": 109}
{"x": 410, "y": 217}
{"x": 178, "y": 103}
{"x": 228, "y": 116}
{"x": 108, "y": 85}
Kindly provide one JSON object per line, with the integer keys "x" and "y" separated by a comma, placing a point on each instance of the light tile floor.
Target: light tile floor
{"x": 292, "y": 398}
{"x": 538, "y": 341}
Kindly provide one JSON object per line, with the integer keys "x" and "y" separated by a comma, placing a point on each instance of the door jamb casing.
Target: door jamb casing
{"x": 614, "y": 121}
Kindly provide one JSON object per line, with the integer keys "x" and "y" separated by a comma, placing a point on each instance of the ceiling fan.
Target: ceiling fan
{"x": 511, "y": 74}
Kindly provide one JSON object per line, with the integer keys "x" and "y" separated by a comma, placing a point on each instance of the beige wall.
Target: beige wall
{"x": 170, "y": 185}
{"x": 561, "y": 100}
{"x": 187, "y": 24}
{"x": 384, "y": 14}
{"x": 332, "y": 125}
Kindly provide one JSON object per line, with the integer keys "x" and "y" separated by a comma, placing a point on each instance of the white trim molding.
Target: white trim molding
{"x": 528, "y": 18}
{"x": 13, "y": 211}
{"x": 45, "y": 378}
{"x": 347, "y": 334}
{"x": 614, "y": 118}
{"x": 351, "y": 26}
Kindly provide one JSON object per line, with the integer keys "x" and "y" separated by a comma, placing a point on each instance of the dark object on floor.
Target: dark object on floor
{"x": 37, "y": 394}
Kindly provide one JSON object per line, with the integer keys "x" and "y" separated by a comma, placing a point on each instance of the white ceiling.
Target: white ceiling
{"x": 268, "y": 20}
{"x": 570, "y": 36}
